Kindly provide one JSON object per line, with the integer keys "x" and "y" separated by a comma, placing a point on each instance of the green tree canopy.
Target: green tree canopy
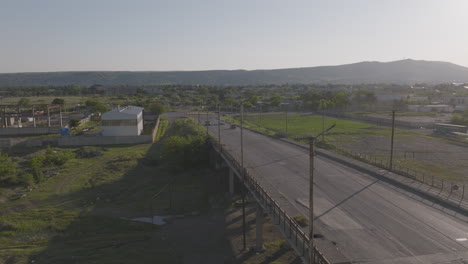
{"x": 96, "y": 106}
{"x": 7, "y": 167}
{"x": 157, "y": 108}
{"x": 24, "y": 102}
{"x": 73, "y": 122}
{"x": 58, "y": 101}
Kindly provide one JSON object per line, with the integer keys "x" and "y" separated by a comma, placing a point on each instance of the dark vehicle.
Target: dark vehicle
{"x": 233, "y": 126}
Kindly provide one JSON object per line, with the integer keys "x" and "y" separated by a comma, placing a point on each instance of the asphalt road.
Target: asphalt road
{"x": 361, "y": 219}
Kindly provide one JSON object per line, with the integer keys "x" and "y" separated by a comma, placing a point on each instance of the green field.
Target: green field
{"x": 75, "y": 216}
{"x": 299, "y": 125}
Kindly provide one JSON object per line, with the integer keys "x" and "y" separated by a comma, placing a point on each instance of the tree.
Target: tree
{"x": 157, "y": 109}
{"x": 96, "y": 106}
{"x": 74, "y": 122}
{"x": 7, "y": 167}
{"x": 24, "y": 102}
{"x": 275, "y": 100}
{"x": 58, "y": 101}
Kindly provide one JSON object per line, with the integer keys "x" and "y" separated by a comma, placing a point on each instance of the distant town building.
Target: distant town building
{"x": 123, "y": 121}
{"x": 431, "y": 108}
{"x": 389, "y": 97}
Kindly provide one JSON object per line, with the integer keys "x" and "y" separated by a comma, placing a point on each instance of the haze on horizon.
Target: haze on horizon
{"x": 165, "y": 35}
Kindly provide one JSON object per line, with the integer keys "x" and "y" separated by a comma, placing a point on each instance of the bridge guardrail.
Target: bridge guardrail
{"x": 288, "y": 226}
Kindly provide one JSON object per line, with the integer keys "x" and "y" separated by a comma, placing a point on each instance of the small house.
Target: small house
{"x": 123, "y": 121}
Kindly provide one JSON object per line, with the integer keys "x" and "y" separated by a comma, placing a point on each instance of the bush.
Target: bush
{"x": 56, "y": 158}
{"x": 188, "y": 148}
{"x": 458, "y": 120}
{"x": 35, "y": 165}
{"x": 7, "y": 168}
{"x": 26, "y": 179}
{"x": 88, "y": 152}
{"x": 50, "y": 159}
{"x": 301, "y": 220}
{"x": 74, "y": 122}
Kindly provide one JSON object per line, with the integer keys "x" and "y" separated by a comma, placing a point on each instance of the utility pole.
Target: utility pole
{"x": 219, "y": 126}
{"x": 206, "y": 123}
{"x": 198, "y": 113}
{"x": 311, "y": 199}
{"x": 323, "y": 125}
{"x": 311, "y": 192}
{"x": 243, "y": 175}
{"x": 34, "y": 117}
{"x": 61, "y": 119}
{"x": 391, "y": 144}
{"x": 286, "y": 119}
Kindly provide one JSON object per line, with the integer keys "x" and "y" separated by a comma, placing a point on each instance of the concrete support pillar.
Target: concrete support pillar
{"x": 259, "y": 225}
{"x": 34, "y": 117}
{"x": 231, "y": 182}
{"x": 61, "y": 120}
{"x": 48, "y": 116}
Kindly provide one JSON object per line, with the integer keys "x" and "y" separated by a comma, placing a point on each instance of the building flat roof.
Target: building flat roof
{"x": 126, "y": 110}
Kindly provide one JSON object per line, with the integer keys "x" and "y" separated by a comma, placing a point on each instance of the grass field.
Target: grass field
{"x": 74, "y": 217}
{"x": 299, "y": 125}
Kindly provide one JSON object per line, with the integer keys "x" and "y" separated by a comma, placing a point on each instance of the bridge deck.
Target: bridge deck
{"x": 360, "y": 218}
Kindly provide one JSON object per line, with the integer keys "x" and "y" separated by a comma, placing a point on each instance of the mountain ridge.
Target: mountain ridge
{"x": 406, "y": 71}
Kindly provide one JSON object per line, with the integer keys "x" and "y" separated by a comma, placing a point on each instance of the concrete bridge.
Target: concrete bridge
{"x": 363, "y": 214}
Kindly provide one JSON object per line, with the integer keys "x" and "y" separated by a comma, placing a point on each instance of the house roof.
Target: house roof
{"x": 127, "y": 111}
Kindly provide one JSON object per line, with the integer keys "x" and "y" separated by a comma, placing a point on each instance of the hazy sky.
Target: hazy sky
{"x": 68, "y": 35}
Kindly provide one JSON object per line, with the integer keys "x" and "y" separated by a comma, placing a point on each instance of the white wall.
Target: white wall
{"x": 121, "y": 131}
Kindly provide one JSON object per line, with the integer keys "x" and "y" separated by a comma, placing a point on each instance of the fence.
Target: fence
{"x": 102, "y": 140}
{"x": 21, "y": 131}
{"x": 453, "y": 188}
{"x": 287, "y": 225}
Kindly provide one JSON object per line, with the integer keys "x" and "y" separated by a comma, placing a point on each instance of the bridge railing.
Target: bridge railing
{"x": 288, "y": 226}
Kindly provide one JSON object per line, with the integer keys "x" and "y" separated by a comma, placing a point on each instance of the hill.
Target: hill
{"x": 403, "y": 72}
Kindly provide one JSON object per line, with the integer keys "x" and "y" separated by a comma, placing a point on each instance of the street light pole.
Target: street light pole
{"x": 391, "y": 144}
{"x": 244, "y": 243}
{"x": 311, "y": 199}
{"x": 199, "y": 109}
{"x": 219, "y": 126}
{"x": 311, "y": 192}
{"x": 206, "y": 123}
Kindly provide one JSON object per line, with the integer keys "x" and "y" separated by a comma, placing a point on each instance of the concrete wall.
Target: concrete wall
{"x": 15, "y": 131}
{"x": 155, "y": 129}
{"x": 85, "y": 120}
{"x": 109, "y": 131}
{"x": 101, "y": 140}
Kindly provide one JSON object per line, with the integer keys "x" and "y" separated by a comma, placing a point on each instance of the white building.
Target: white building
{"x": 123, "y": 121}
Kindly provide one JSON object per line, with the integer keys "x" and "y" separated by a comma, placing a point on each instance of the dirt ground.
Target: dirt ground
{"x": 216, "y": 238}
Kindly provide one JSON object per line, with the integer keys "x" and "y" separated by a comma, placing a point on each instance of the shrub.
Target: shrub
{"x": 7, "y": 168}
{"x": 35, "y": 165}
{"x": 74, "y": 122}
{"x": 26, "y": 179}
{"x": 88, "y": 152}
{"x": 56, "y": 158}
{"x": 188, "y": 148}
{"x": 301, "y": 220}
